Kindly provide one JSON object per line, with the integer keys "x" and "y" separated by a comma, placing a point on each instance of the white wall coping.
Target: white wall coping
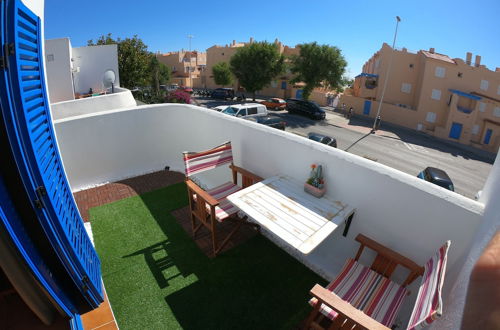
{"x": 121, "y": 98}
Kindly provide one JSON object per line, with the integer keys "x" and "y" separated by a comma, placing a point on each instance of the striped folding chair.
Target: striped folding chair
{"x": 365, "y": 297}
{"x": 429, "y": 305}
{"x": 210, "y": 207}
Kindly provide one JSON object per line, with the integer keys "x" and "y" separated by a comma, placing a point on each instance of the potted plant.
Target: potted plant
{"x": 315, "y": 185}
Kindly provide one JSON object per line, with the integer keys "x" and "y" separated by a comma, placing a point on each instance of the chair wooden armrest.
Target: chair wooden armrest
{"x": 201, "y": 193}
{"x": 387, "y": 259}
{"x": 345, "y": 309}
{"x": 248, "y": 178}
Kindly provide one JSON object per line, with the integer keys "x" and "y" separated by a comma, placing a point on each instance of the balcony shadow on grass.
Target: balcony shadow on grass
{"x": 157, "y": 277}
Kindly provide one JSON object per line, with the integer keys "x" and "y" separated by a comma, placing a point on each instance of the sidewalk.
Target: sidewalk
{"x": 363, "y": 125}
{"x": 360, "y": 125}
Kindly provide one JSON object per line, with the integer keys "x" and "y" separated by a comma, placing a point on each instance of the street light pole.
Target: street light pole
{"x": 374, "y": 128}
{"x": 190, "y": 36}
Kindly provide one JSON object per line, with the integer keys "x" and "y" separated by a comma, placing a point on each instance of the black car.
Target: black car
{"x": 328, "y": 140}
{"x": 223, "y": 93}
{"x": 271, "y": 121}
{"x": 307, "y": 108}
{"x": 437, "y": 176}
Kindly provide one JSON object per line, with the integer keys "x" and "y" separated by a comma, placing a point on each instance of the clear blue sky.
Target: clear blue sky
{"x": 358, "y": 28}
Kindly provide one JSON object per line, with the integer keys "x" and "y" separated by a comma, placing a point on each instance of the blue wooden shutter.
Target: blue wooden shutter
{"x": 32, "y": 139}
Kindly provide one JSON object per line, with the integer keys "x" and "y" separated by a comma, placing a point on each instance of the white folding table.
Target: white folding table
{"x": 282, "y": 207}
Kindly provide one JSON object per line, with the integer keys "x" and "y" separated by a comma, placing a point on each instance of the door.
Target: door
{"x": 298, "y": 94}
{"x": 455, "y": 131}
{"x": 28, "y": 126}
{"x": 487, "y": 136}
{"x": 366, "y": 108}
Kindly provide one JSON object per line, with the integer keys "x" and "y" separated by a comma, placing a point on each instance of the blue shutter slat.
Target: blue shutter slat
{"x": 60, "y": 217}
{"x": 25, "y": 35}
{"x": 27, "y": 44}
{"x": 28, "y": 56}
{"x": 36, "y": 111}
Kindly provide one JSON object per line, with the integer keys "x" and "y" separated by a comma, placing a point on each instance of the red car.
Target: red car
{"x": 274, "y": 103}
{"x": 186, "y": 89}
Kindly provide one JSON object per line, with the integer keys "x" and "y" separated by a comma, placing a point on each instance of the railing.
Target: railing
{"x": 464, "y": 109}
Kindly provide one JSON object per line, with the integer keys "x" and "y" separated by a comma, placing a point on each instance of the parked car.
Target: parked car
{"x": 307, "y": 108}
{"x": 274, "y": 103}
{"x": 223, "y": 93}
{"x": 328, "y": 140}
{"x": 172, "y": 87}
{"x": 270, "y": 120}
{"x": 186, "y": 89}
{"x": 243, "y": 110}
{"x": 437, "y": 176}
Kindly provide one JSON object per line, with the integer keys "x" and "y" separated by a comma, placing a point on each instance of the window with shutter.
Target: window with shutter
{"x": 25, "y": 110}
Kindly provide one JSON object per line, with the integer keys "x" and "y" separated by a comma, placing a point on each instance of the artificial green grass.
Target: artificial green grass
{"x": 157, "y": 278}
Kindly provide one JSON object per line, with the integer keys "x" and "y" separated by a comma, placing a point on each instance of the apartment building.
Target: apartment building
{"x": 182, "y": 63}
{"x": 280, "y": 87}
{"x": 453, "y": 99}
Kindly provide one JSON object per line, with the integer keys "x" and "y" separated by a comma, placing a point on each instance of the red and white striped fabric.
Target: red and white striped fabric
{"x": 429, "y": 305}
{"x": 224, "y": 190}
{"x": 377, "y": 296}
{"x": 197, "y": 162}
{"x": 225, "y": 208}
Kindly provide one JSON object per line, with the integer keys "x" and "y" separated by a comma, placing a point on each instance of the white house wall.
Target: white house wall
{"x": 93, "y": 61}
{"x": 58, "y": 69}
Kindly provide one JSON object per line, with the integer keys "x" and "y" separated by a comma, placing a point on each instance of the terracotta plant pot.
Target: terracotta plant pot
{"x": 316, "y": 192}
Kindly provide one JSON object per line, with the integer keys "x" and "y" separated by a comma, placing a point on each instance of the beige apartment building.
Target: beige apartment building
{"x": 453, "y": 99}
{"x": 186, "y": 67}
{"x": 279, "y": 87}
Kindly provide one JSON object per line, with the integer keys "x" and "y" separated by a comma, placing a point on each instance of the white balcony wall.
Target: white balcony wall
{"x": 121, "y": 98}
{"x": 400, "y": 211}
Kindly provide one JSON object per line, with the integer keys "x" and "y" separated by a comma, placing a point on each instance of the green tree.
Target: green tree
{"x": 159, "y": 73}
{"x": 133, "y": 59}
{"x": 222, "y": 74}
{"x": 255, "y": 65}
{"x": 346, "y": 82}
{"x": 318, "y": 65}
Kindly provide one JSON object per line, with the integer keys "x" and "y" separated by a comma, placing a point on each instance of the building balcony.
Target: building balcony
{"x": 154, "y": 274}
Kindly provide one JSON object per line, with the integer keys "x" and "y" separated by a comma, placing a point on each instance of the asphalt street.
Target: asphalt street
{"x": 402, "y": 149}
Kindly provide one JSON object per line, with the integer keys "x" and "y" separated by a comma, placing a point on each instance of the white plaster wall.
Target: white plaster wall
{"x": 36, "y": 6}
{"x": 489, "y": 226}
{"x": 93, "y": 62}
{"x": 122, "y": 98}
{"x": 402, "y": 212}
{"x": 58, "y": 69}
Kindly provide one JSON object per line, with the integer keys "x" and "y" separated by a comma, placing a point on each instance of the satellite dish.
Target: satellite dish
{"x": 109, "y": 80}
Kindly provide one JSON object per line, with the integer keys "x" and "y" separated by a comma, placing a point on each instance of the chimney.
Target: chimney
{"x": 468, "y": 58}
{"x": 497, "y": 69}
{"x": 478, "y": 61}
{"x": 234, "y": 42}
{"x": 432, "y": 50}
{"x": 251, "y": 40}
{"x": 405, "y": 50}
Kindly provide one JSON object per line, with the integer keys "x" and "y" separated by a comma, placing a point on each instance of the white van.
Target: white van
{"x": 243, "y": 110}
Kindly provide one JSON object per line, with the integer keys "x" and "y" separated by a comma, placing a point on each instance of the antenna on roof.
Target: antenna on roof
{"x": 109, "y": 80}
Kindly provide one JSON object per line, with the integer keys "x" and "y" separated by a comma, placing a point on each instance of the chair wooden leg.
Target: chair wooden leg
{"x": 214, "y": 238}
{"x": 228, "y": 237}
{"x": 310, "y": 319}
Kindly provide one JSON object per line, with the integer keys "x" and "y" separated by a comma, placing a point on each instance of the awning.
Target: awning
{"x": 464, "y": 94}
{"x": 363, "y": 74}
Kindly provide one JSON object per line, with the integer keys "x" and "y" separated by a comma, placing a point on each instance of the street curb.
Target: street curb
{"x": 478, "y": 152}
